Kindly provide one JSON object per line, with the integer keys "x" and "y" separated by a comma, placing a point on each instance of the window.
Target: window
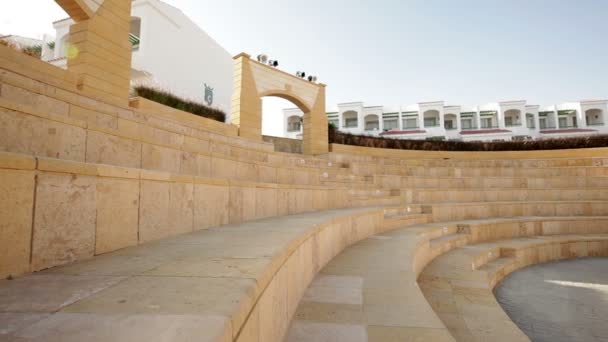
{"x": 509, "y": 121}
{"x": 574, "y": 121}
{"x": 467, "y": 123}
{"x": 350, "y": 119}
{"x": 351, "y": 122}
{"x": 486, "y": 123}
{"x": 372, "y": 126}
{"x": 294, "y": 124}
{"x": 449, "y": 124}
{"x": 410, "y": 123}
{"x": 531, "y": 122}
{"x": 542, "y": 122}
{"x": 563, "y": 122}
{"x": 430, "y": 122}
{"x": 391, "y": 124}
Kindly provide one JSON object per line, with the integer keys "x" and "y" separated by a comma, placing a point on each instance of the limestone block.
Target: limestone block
{"x": 153, "y": 210}
{"x": 266, "y": 202}
{"x": 181, "y": 208}
{"x": 242, "y": 204}
{"x": 117, "y": 214}
{"x": 196, "y": 164}
{"x": 211, "y": 206}
{"x": 246, "y": 171}
{"x": 109, "y": 149}
{"x": 160, "y": 158}
{"x": 274, "y": 319}
{"x": 34, "y": 101}
{"x": 283, "y": 201}
{"x": 304, "y": 200}
{"x": 94, "y": 118}
{"x": 267, "y": 174}
{"x": 320, "y": 200}
{"x": 285, "y": 176}
{"x": 16, "y": 205}
{"x": 21, "y": 133}
{"x": 223, "y": 168}
{"x": 64, "y": 222}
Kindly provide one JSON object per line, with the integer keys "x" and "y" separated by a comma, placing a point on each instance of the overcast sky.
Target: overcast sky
{"x": 400, "y": 52}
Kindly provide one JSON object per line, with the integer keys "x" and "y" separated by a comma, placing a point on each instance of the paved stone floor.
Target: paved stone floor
{"x": 559, "y": 301}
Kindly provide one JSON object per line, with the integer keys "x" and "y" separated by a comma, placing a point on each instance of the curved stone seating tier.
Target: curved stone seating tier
{"x": 56, "y": 211}
{"x": 587, "y": 157}
{"x": 487, "y": 210}
{"x": 503, "y": 195}
{"x": 459, "y": 284}
{"x": 369, "y": 292}
{"x": 558, "y": 182}
{"x": 70, "y": 126}
{"x": 240, "y": 282}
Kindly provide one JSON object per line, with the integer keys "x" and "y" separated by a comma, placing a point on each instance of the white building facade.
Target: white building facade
{"x": 501, "y": 121}
{"x": 170, "y": 52}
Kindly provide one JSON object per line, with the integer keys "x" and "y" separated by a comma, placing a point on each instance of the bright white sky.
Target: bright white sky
{"x": 398, "y": 52}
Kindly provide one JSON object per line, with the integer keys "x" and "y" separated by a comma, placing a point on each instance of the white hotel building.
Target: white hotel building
{"x": 509, "y": 120}
{"x": 169, "y": 51}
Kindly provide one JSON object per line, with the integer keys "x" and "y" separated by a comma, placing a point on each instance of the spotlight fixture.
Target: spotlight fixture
{"x": 262, "y": 58}
{"x": 312, "y": 78}
{"x": 273, "y": 63}
{"x": 301, "y": 74}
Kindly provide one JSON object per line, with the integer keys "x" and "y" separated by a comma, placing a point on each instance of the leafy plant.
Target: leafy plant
{"x": 34, "y": 50}
{"x": 168, "y": 99}
{"x": 337, "y": 137}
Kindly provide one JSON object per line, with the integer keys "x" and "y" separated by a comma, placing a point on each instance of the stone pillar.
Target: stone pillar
{"x": 246, "y": 104}
{"x": 99, "y": 49}
{"x": 315, "y": 140}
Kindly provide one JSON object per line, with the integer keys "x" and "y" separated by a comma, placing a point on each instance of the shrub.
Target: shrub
{"x": 171, "y": 100}
{"x": 336, "y": 137}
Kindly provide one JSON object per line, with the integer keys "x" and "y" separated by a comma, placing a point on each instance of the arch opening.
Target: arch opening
{"x": 372, "y": 122}
{"x": 450, "y": 121}
{"x": 431, "y": 118}
{"x": 594, "y": 117}
{"x": 350, "y": 119}
{"x": 512, "y": 118}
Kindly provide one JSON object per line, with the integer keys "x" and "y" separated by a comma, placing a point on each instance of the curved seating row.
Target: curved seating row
{"x": 392, "y": 286}
{"x": 240, "y": 282}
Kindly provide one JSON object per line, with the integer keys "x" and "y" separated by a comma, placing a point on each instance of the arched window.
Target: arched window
{"x": 294, "y": 123}
{"x": 372, "y": 122}
{"x": 512, "y": 117}
{"x": 450, "y": 121}
{"x": 431, "y": 118}
{"x": 594, "y": 117}
{"x": 350, "y": 119}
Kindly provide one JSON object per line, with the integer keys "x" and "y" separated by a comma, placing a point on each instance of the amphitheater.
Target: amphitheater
{"x": 125, "y": 220}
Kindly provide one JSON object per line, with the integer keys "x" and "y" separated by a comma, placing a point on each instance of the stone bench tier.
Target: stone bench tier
{"x": 369, "y": 291}
{"x": 240, "y": 282}
{"x": 57, "y": 211}
{"x": 459, "y": 284}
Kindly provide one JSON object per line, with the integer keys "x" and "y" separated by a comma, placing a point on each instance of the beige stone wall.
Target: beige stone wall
{"x": 368, "y": 152}
{"x": 55, "y": 212}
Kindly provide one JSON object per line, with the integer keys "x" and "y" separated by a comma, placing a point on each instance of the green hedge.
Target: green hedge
{"x": 337, "y": 137}
{"x": 168, "y": 99}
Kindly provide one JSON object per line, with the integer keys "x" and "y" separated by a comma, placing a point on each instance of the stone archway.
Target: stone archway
{"x": 254, "y": 80}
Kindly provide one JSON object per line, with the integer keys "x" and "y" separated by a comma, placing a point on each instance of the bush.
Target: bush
{"x": 168, "y": 99}
{"x": 337, "y": 137}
